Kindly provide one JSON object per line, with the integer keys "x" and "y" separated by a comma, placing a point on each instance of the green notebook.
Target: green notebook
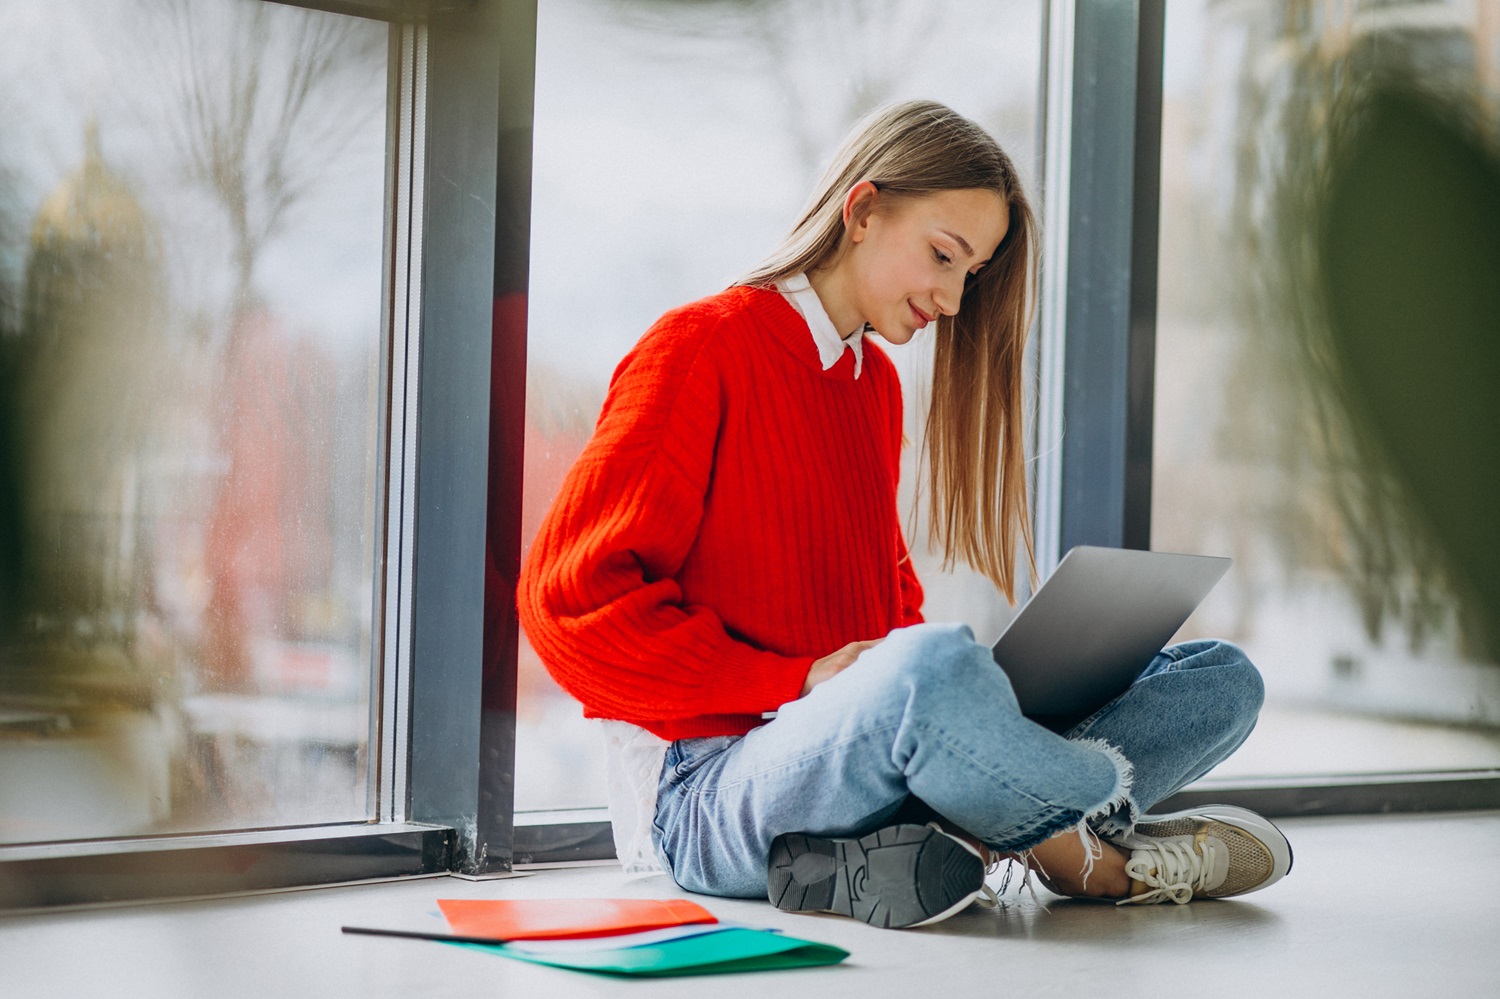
{"x": 718, "y": 951}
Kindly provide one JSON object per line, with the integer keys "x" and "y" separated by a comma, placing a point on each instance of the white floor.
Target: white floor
{"x": 1375, "y": 906}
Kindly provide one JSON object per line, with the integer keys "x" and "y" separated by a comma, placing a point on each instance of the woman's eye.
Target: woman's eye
{"x": 942, "y": 257}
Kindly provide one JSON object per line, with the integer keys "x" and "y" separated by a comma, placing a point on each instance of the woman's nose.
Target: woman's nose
{"x": 947, "y": 296}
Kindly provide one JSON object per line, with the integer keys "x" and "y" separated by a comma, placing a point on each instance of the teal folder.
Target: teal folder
{"x": 719, "y": 951}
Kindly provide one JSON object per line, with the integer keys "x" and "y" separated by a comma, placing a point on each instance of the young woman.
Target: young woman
{"x": 723, "y": 577}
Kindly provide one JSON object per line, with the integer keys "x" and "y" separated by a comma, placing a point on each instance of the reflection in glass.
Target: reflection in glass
{"x": 1337, "y": 592}
{"x": 191, "y": 200}
{"x": 674, "y": 145}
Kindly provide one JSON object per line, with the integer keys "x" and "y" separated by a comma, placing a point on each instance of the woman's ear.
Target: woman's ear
{"x": 858, "y": 204}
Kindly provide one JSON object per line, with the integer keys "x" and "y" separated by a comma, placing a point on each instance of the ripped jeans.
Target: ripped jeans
{"x": 927, "y": 719}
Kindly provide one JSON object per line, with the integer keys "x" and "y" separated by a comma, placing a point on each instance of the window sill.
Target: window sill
{"x": 104, "y": 872}
{"x": 579, "y": 835}
{"x": 563, "y": 837}
{"x": 1351, "y": 794}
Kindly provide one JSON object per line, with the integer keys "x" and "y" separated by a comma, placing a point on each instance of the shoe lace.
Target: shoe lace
{"x": 1170, "y": 869}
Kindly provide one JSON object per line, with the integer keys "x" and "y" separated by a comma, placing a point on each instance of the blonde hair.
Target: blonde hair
{"x": 973, "y": 446}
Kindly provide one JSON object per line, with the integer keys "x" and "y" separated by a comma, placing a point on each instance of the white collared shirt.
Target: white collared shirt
{"x": 831, "y": 345}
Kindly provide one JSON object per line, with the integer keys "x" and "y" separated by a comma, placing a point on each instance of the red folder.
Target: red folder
{"x": 560, "y": 918}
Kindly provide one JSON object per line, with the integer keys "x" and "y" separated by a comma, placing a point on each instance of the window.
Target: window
{"x": 192, "y": 251}
{"x": 1370, "y": 666}
{"x": 339, "y": 704}
{"x": 674, "y": 145}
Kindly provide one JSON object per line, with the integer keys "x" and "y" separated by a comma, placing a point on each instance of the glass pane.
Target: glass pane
{"x": 1370, "y": 663}
{"x": 674, "y": 145}
{"x": 191, "y": 234}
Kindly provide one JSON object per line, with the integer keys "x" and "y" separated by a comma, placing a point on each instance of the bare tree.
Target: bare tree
{"x": 257, "y": 129}
{"x": 830, "y": 60}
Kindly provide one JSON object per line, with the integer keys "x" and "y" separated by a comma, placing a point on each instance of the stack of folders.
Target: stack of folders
{"x": 615, "y": 936}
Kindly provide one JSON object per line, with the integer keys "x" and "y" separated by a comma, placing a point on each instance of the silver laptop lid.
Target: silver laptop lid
{"x": 1095, "y": 624}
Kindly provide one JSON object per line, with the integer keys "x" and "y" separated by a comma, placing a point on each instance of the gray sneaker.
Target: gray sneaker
{"x": 899, "y": 876}
{"x": 1216, "y": 851}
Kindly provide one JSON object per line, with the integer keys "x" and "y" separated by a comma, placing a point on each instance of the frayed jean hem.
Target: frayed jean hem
{"x": 1115, "y": 816}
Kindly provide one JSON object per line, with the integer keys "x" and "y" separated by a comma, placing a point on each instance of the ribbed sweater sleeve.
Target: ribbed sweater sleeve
{"x": 597, "y": 595}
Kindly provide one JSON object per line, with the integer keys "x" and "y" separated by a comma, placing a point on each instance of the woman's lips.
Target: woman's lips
{"x": 922, "y": 317}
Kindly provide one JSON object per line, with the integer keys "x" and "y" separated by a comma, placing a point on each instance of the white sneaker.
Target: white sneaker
{"x": 1216, "y": 851}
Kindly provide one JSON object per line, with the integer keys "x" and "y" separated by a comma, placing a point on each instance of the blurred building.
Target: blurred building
{"x": 93, "y": 311}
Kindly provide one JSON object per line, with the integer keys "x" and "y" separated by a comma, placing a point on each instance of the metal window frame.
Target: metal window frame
{"x": 1098, "y": 323}
{"x": 400, "y": 366}
{"x": 476, "y": 257}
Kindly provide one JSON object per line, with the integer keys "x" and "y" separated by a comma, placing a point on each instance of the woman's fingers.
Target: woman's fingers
{"x": 835, "y": 663}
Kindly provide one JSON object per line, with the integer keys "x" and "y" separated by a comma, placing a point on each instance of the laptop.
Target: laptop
{"x": 1095, "y": 624}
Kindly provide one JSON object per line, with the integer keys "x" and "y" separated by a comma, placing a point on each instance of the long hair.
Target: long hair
{"x": 973, "y": 446}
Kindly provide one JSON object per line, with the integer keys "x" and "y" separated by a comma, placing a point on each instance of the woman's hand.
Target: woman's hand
{"x": 832, "y": 665}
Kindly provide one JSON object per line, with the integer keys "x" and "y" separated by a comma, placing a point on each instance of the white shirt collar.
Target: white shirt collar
{"x": 799, "y": 292}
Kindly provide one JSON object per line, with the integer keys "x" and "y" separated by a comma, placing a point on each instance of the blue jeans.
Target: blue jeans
{"x": 926, "y": 720}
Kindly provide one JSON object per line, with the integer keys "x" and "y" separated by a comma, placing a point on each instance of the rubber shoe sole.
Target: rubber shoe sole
{"x": 899, "y": 876}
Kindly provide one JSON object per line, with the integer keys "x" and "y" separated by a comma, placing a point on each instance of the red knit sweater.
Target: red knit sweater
{"x": 733, "y": 519}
